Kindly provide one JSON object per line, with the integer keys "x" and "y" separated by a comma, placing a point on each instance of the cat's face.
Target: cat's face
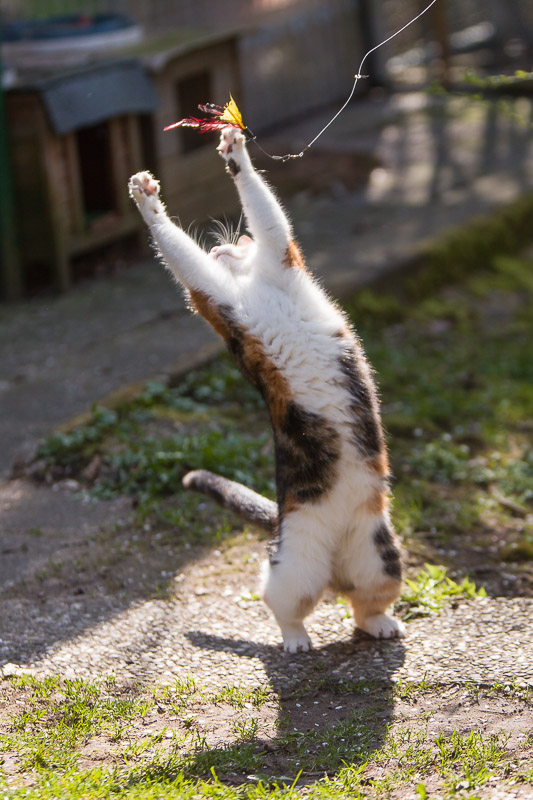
{"x": 233, "y": 255}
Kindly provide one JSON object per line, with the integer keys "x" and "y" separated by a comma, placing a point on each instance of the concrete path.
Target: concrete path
{"x": 441, "y": 164}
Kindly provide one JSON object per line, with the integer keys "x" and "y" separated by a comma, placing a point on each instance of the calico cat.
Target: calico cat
{"x": 331, "y": 523}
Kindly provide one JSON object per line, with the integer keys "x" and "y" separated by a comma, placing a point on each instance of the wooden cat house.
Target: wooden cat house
{"x": 77, "y": 134}
{"x": 75, "y": 137}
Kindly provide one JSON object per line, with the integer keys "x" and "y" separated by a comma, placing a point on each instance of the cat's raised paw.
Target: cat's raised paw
{"x": 144, "y": 189}
{"x": 145, "y": 183}
{"x": 381, "y": 626}
{"x": 231, "y": 143}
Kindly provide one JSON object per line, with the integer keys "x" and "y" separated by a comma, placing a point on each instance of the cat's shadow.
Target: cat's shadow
{"x": 335, "y": 704}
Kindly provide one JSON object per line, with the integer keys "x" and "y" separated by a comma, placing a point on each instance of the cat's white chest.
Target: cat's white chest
{"x": 295, "y": 325}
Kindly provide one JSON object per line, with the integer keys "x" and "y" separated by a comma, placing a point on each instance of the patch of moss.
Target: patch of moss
{"x": 482, "y": 253}
{"x": 519, "y": 552}
{"x": 473, "y": 247}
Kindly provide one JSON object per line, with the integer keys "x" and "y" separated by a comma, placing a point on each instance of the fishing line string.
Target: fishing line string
{"x": 357, "y": 77}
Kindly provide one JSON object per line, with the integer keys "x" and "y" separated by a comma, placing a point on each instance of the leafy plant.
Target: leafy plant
{"x": 441, "y": 460}
{"x": 67, "y": 448}
{"x": 432, "y": 589}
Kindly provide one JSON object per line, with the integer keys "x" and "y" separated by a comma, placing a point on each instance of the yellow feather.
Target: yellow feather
{"x": 232, "y": 114}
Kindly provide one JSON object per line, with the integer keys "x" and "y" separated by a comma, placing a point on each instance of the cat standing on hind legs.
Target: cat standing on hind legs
{"x": 331, "y": 523}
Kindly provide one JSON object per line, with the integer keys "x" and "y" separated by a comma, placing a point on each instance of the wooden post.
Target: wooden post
{"x": 369, "y": 14}
{"x": 10, "y": 275}
{"x": 439, "y": 24}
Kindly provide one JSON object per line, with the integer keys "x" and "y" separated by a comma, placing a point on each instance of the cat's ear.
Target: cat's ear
{"x": 244, "y": 240}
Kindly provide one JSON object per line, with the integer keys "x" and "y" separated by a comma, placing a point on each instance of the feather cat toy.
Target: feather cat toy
{"x": 229, "y": 114}
{"x": 331, "y": 524}
{"x": 220, "y": 117}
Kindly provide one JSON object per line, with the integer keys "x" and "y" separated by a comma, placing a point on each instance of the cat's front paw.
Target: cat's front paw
{"x": 232, "y": 149}
{"x": 144, "y": 189}
{"x": 231, "y": 142}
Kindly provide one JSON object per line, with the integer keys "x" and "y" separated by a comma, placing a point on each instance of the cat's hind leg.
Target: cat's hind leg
{"x": 294, "y": 579}
{"x": 372, "y": 574}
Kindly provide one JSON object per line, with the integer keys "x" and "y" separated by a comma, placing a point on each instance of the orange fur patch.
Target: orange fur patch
{"x": 376, "y": 602}
{"x": 254, "y": 360}
{"x": 340, "y": 585}
{"x": 208, "y": 309}
{"x": 293, "y": 257}
{"x": 290, "y": 504}
{"x": 304, "y": 606}
{"x": 379, "y": 464}
{"x": 377, "y": 503}
{"x": 275, "y": 384}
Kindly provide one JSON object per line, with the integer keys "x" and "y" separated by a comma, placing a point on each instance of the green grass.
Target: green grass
{"x": 456, "y": 381}
{"x": 238, "y": 697}
{"x": 63, "y": 715}
{"x": 356, "y": 757}
{"x": 212, "y": 420}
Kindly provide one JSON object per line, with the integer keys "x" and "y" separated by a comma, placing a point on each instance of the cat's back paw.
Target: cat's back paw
{"x": 382, "y": 626}
{"x": 144, "y": 189}
{"x": 295, "y": 639}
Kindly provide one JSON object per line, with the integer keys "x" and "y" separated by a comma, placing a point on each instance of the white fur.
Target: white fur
{"x": 291, "y": 316}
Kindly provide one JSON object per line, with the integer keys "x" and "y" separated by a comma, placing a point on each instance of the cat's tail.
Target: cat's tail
{"x": 246, "y": 503}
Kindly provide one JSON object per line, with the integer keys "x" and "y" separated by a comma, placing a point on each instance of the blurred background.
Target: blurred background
{"x": 88, "y": 87}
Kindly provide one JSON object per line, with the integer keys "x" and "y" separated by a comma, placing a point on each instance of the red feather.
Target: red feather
{"x": 201, "y": 125}
{"x": 229, "y": 111}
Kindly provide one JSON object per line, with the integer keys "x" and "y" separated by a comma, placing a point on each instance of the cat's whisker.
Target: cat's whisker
{"x": 238, "y": 229}
{"x": 219, "y": 231}
{"x": 225, "y": 232}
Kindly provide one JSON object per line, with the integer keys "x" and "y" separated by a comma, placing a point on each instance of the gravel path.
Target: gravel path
{"x": 211, "y": 627}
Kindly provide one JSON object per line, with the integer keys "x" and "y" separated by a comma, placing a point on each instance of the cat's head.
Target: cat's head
{"x": 233, "y": 254}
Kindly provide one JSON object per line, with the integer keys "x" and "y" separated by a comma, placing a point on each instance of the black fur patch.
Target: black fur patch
{"x": 232, "y": 167}
{"x": 307, "y": 451}
{"x": 382, "y": 537}
{"x": 273, "y": 548}
{"x": 367, "y": 433}
{"x": 392, "y": 564}
{"x": 388, "y": 551}
{"x": 307, "y": 447}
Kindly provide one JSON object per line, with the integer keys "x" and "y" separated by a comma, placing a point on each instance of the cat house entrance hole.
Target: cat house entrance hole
{"x": 96, "y": 171}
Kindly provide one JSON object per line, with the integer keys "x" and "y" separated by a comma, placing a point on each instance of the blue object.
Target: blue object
{"x": 63, "y": 26}
{"x": 89, "y": 95}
